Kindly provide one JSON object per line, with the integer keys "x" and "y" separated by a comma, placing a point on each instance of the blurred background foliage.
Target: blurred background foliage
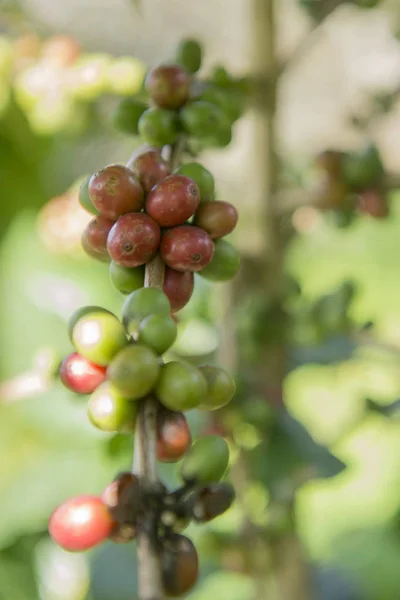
{"x": 328, "y": 469}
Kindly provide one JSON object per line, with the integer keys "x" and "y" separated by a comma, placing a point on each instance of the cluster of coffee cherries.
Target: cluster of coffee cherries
{"x": 352, "y": 182}
{"x": 149, "y": 218}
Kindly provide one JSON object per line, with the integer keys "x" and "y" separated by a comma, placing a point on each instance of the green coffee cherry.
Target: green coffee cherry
{"x": 127, "y": 114}
{"x": 221, "y": 77}
{"x": 134, "y": 371}
{"x": 81, "y": 312}
{"x": 158, "y": 332}
{"x": 203, "y": 120}
{"x": 206, "y": 461}
{"x": 108, "y": 410}
{"x": 98, "y": 336}
{"x": 189, "y": 55}
{"x": 158, "y": 126}
{"x": 363, "y": 169}
{"x": 126, "y": 280}
{"x": 181, "y": 386}
{"x": 225, "y": 263}
{"x": 220, "y": 387}
{"x": 231, "y": 102}
{"x": 203, "y": 178}
{"x": 84, "y": 198}
{"x": 143, "y": 303}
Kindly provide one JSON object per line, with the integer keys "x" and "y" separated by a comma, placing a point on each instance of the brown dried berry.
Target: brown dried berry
{"x": 180, "y": 564}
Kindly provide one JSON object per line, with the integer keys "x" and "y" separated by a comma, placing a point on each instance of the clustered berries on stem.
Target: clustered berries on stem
{"x": 157, "y": 223}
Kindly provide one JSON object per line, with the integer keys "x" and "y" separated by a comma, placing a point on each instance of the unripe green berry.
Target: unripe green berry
{"x": 225, "y": 263}
{"x": 127, "y": 114}
{"x": 108, "y": 410}
{"x": 84, "y": 197}
{"x": 230, "y": 101}
{"x": 126, "y": 280}
{"x": 81, "y": 312}
{"x": 202, "y": 120}
{"x": 99, "y": 337}
{"x": 134, "y": 371}
{"x": 220, "y": 388}
{"x": 181, "y": 386}
{"x": 203, "y": 178}
{"x": 206, "y": 461}
{"x": 158, "y": 126}
{"x": 158, "y": 332}
{"x": 189, "y": 55}
{"x": 143, "y": 303}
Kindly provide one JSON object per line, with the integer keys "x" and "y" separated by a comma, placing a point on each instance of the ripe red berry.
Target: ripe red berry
{"x": 80, "y": 523}
{"x": 80, "y": 375}
{"x": 217, "y": 218}
{"x": 94, "y": 237}
{"x": 172, "y": 201}
{"x": 173, "y": 436}
{"x": 178, "y": 286}
{"x": 180, "y": 564}
{"x": 133, "y": 240}
{"x": 115, "y": 191}
{"x": 187, "y": 248}
{"x": 168, "y": 85}
{"x": 150, "y": 168}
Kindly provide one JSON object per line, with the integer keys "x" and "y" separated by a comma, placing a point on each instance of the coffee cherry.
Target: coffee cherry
{"x": 186, "y": 248}
{"x": 212, "y": 501}
{"x": 373, "y": 203}
{"x": 225, "y": 263}
{"x": 94, "y": 236}
{"x": 133, "y": 240}
{"x": 158, "y": 332}
{"x": 179, "y": 563}
{"x": 202, "y": 177}
{"x": 217, "y": 218}
{"x": 206, "y": 461}
{"x": 150, "y": 168}
{"x": 80, "y": 375}
{"x": 220, "y": 387}
{"x": 158, "y": 127}
{"x": 231, "y": 102}
{"x": 127, "y": 114}
{"x": 172, "y": 201}
{"x": 134, "y": 371}
{"x": 115, "y": 191}
{"x": 175, "y": 519}
{"x": 98, "y": 336}
{"x": 173, "y": 436}
{"x": 96, "y": 254}
{"x": 178, "y": 286}
{"x": 189, "y": 55}
{"x": 124, "y": 501}
{"x": 141, "y": 304}
{"x": 181, "y": 386}
{"x": 203, "y": 120}
{"x": 80, "y": 523}
{"x": 81, "y": 312}
{"x": 363, "y": 169}
{"x": 108, "y": 410}
{"x": 168, "y": 86}
{"x": 84, "y": 197}
{"x": 126, "y": 280}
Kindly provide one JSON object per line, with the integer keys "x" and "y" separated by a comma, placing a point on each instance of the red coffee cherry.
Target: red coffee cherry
{"x": 94, "y": 237}
{"x": 178, "y": 286}
{"x": 173, "y": 435}
{"x": 373, "y": 203}
{"x": 168, "y": 86}
{"x": 186, "y": 248}
{"x": 80, "y": 523}
{"x": 217, "y": 218}
{"x": 173, "y": 201}
{"x": 115, "y": 191}
{"x": 180, "y": 564}
{"x": 150, "y": 168}
{"x": 80, "y": 375}
{"x": 133, "y": 240}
